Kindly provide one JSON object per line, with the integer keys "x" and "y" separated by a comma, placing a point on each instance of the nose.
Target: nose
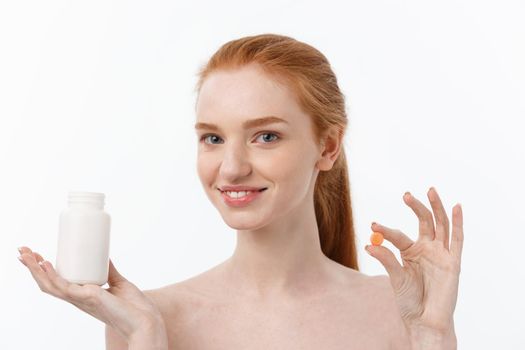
{"x": 235, "y": 163}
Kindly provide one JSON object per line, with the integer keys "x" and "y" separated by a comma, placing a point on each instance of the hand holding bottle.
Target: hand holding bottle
{"x": 122, "y": 306}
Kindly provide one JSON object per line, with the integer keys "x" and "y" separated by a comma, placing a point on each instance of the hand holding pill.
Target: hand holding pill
{"x": 426, "y": 285}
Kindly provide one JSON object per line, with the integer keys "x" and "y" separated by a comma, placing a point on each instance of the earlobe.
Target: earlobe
{"x": 324, "y": 165}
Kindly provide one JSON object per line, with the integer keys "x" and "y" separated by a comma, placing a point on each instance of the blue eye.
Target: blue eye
{"x": 204, "y": 137}
{"x": 268, "y": 133}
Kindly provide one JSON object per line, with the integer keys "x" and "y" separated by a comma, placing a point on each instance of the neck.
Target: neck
{"x": 284, "y": 257}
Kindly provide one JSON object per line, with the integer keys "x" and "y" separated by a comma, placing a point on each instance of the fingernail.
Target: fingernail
{"x": 20, "y": 258}
{"x": 19, "y": 249}
{"x": 367, "y": 247}
{"x": 407, "y": 193}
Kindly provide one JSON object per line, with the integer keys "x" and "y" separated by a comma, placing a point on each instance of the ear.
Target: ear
{"x": 330, "y": 148}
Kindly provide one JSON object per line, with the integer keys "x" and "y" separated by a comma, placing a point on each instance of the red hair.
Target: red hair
{"x": 308, "y": 73}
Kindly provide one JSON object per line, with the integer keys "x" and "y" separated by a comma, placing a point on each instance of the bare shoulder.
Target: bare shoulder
{"x": 172, "y": 300}
{"x": 376, "y": 290}
{"x": 184, "y": 305}
{"x": 356, "y": 280}
{"x": 383, "y": 304}
{"x": 183, "y": 301}
{"x": 201, "y": 304}
{"x": 380, "y": 284}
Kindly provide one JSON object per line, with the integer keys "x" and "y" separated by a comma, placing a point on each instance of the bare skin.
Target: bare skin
{"x": 278, "y": 290}
{"x": 278, "y": 248}
{"x": 132, "y": 317}
{"x": 352, "y": 311}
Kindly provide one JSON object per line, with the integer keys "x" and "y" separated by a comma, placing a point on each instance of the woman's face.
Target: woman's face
{"x": 279, "y": 156}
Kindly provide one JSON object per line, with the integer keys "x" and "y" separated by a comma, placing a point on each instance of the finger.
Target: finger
{"x": 389, "y": 261}
{"x": 51, "y": 283}
{"x": 114, "y": 277}
{"x": 63, "y": 289}
{"x": 39, "y": 275}
{"x": 426, "y": 221}
{"x": 38, "y": 257}
{"x": 442, "y": 223}
{"x": 398, "y": 238}
{"x": 24, "y": 249}
{"x": 456, "y": 243}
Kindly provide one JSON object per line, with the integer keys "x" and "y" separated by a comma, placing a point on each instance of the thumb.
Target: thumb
{"x": 114, "y": 277}
{"x": 388, "y": 260}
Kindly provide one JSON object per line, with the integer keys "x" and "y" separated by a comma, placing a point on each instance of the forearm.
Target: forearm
{"x": 148, "y": 343}
{"x": 424, "y": 339}
{"x": 153, "y": 337}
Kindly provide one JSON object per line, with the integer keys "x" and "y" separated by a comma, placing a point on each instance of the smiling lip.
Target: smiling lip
{"x": 240, "y": 188}
{"x": 243, "y": 201}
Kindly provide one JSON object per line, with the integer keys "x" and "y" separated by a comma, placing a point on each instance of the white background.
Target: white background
{"x": 98, "y": 96}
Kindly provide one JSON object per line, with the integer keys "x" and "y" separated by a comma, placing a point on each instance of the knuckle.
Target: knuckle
{"x": 428, "y": 216}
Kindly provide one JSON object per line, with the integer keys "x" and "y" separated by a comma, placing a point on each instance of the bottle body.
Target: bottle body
{"x": 84, "y": 239}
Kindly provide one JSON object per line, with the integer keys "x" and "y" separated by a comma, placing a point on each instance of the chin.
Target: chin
{"x": 239, "y": 222}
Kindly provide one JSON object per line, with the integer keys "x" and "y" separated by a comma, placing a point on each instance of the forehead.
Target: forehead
{"x": 245, "y": 93}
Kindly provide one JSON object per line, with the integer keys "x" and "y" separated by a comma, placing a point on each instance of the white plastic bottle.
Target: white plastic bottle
{"x": 83, "y": 239}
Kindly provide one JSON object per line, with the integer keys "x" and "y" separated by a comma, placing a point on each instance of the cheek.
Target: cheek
{"x": 290, "y": 168}
{"x": 204, "y": 167}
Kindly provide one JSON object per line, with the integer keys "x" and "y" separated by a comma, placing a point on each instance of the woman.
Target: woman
{"x": 270, "y": 124}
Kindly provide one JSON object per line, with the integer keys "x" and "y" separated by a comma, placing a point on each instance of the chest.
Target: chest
{"x": 330, "y": 324}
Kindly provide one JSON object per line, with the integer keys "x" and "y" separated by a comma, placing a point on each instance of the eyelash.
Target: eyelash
{"x": 203, "y": 137}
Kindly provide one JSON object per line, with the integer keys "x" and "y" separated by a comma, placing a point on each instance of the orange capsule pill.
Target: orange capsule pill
{"x": 376, "y": 238}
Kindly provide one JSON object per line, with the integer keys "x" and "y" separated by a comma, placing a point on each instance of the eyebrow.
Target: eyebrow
{"x": 253, "y": 123}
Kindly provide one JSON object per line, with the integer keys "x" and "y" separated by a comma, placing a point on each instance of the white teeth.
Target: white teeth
{"x": 237, "y": 194}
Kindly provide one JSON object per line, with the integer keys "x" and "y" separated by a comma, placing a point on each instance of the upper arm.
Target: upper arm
{"x": 114, "y": 341}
